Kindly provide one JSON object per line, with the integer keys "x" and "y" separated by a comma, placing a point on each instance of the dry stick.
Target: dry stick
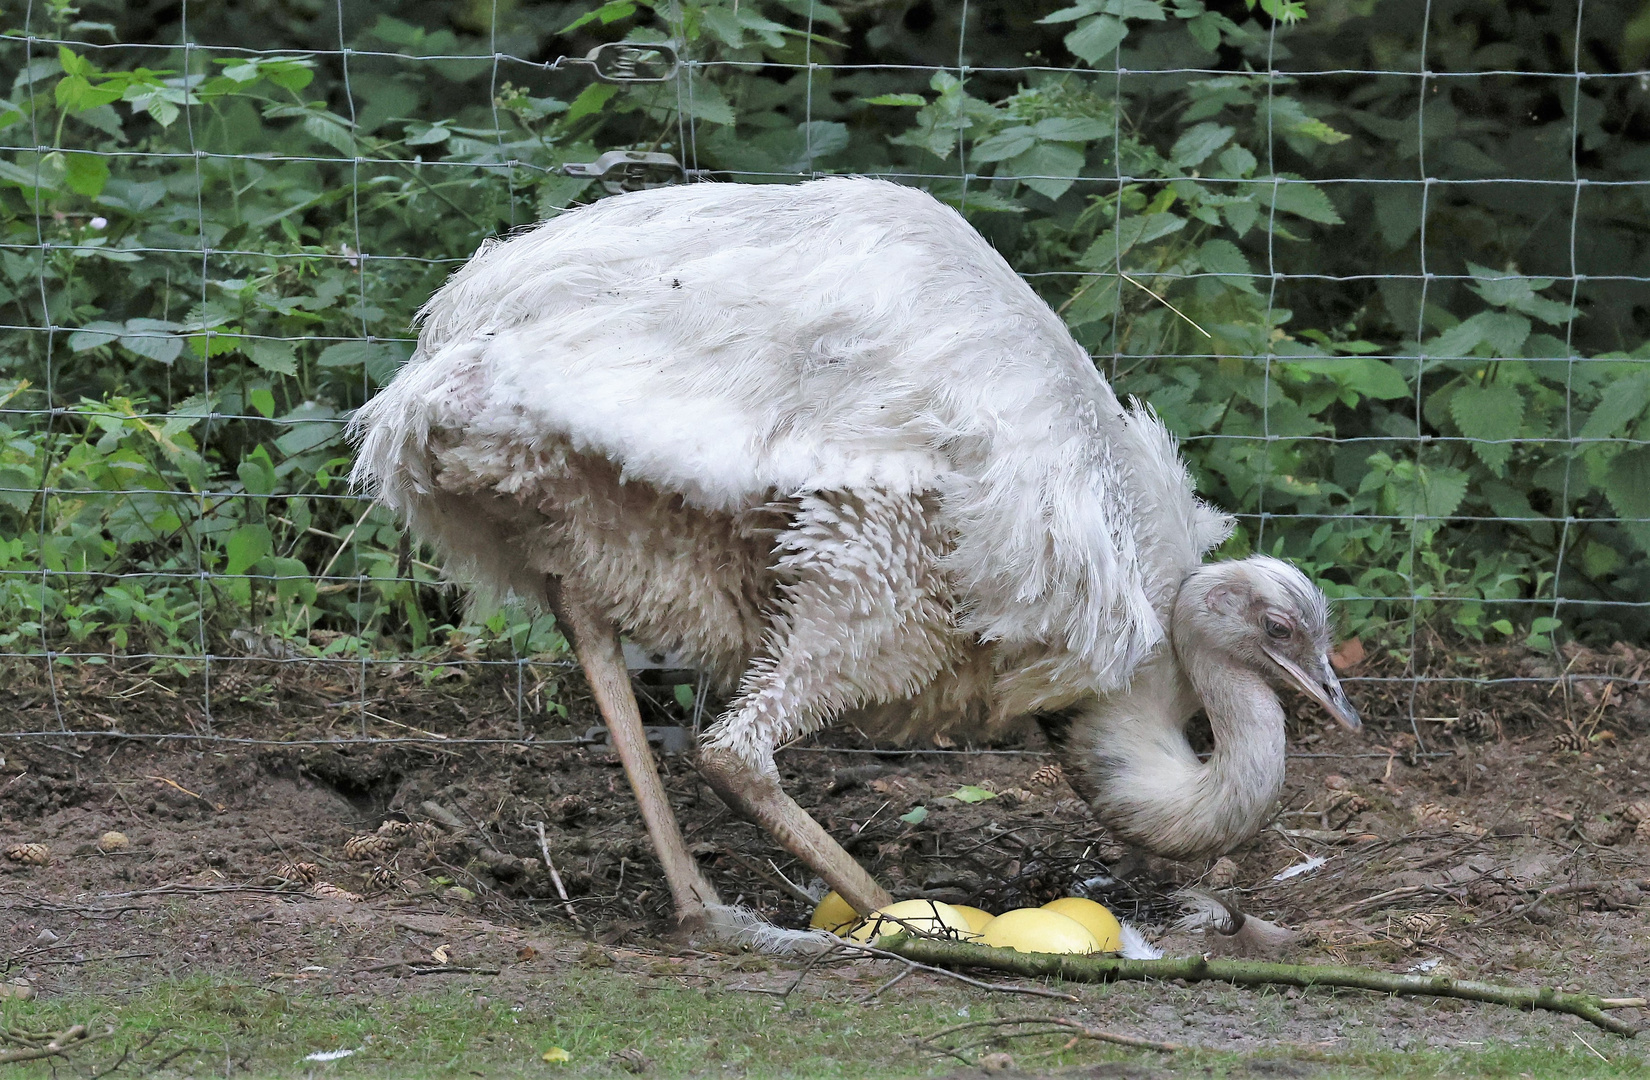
{"x": 913, "y": 964}
{"x": 555, "y": 878}
{"x": 1588, "y": 1007}
{"x": 60, "y": 1043}
{"x": 1571, "y": 889}
{"x": 1082, "y": 1031}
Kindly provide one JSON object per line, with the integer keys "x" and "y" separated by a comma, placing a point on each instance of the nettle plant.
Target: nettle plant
{"x": 208, "y": 260}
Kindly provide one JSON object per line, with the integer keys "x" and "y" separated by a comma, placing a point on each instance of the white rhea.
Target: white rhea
{"x": 824, "y": 442}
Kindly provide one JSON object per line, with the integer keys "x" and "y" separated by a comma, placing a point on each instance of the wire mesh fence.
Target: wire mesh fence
{"x": 1387, "y": 296}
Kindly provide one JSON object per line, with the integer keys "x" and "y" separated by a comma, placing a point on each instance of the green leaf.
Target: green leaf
{"x": 972, "y": 793}
{"x": 292, "y": 581}
{"x": 917, "y": 816}
{"x": 591, "y": 100}
{"x": 1504, "y": 331}
{"x": 1503, "y": 288}
{"x": 683, "y": 692}
{"x": 262, "y": 399}
{"x": 276, "y": 356}
{"x": 1494, "y": 412}
{"x": 1131, "y": 232}
{"x": 1627, "y": 486}
{"x": 1072, "y": 129}
{"x": 1435, "y": 493}
{"x": 1097, "y": 38}
{"x": 1362, "y": 375}
{"x": 1196, "y": 144}
{"x": 895, "y": 99}
{"x": 152, "y": 339}
{"x": 1047, "y": 168}
{"x": 257, "y": 473}
{"x": 1227, "y": 259}
{"x": 332, "y": 130}
{"x": 1005, "y": 144}
{"x": 1303, "y": 200}
{"x": 94, "y": 334}
{"x": 1237, "y": 161}
{"x": 245, "y": 546}
{"x": 1621, "y": 403}
{"x": 85, "y": 174}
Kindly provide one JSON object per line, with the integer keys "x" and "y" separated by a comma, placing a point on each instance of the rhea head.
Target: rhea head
{"x": 1266, "y": 616}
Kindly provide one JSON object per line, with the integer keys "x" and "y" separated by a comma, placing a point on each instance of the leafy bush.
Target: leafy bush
{"x": 211, "y": 254}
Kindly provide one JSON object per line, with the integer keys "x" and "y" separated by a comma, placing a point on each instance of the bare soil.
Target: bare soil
{"x": 1505, "y": 844}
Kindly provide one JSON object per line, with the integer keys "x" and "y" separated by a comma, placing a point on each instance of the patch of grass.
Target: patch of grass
{"x": 217, "y": 1028}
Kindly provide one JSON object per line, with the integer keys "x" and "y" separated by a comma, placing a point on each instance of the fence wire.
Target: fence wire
{"x": 357, "y": 553}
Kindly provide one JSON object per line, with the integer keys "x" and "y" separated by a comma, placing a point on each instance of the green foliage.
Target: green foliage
{"x": 208, "y": 260}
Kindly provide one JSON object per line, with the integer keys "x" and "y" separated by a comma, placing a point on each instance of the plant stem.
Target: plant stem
{"x": 1588, "y": 1007}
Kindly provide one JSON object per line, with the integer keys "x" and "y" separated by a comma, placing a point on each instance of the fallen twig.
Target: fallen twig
{"x": 49, "y": 1045}
{"x": 1081, "y": 1031}
{"x": 555, "y": 877}
{"x": 914, "y": 965}
{"x": 1589, "y": 1007}
{"x": 1553, "y": 892}
{"x": 219, "y": 807}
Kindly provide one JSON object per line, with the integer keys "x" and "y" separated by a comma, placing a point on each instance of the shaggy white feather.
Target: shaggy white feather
{"x": 734, "y": 343}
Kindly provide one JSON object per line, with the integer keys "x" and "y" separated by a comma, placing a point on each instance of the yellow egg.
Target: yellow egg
{"x": 1095, "y": 917}
{"x": 916, "y": 916}
{"x": 976, "y": 917}
{"x": 834, "y": 914}
{"x": 1038, "y": 930}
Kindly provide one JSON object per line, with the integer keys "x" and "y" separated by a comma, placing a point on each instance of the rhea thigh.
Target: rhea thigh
{"x": 862, "y": 618}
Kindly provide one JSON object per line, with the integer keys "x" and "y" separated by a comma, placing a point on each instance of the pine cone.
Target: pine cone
{"x": 1430, "y": 815}
{"x": 396, "y": 830}
{"x": 1222, "y": 875}
{"x": 368, "y": 847}
{"x": 1569, "y": 742}
{"x": 306, "y": 872}
{"x": 30, "y": 854}
{"x": 1642, "y": 833}
{"x": 382, "y": 877}
{"x": 1478, "y": 725}
{"x": 1418, "y": 924}
{"x": 1635, "y": 813}
{"x": 1048, "y": 776}
{"x": 568, "y": 809}
{"x": 326, "y": 890}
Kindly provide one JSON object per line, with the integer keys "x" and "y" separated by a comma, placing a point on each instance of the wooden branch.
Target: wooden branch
{"x": 1588, "y": 1007}
{"x": 912, "y": 964}
{"x": 1058, "y": 1025}
{"x": 59, "y": 1044}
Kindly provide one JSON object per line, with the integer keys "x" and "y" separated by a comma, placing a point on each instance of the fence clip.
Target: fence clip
{"x": 627, "y": 62}
{"x": 629, "y": 170}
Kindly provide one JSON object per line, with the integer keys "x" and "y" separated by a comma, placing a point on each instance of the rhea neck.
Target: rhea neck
{"x": 1145, "y": 781}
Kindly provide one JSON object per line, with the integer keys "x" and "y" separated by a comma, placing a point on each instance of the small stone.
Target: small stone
{"x": 113, "y": 841}
{"x": 996, "y": 1063}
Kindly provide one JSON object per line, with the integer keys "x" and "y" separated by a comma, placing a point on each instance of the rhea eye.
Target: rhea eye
{"x": 1277, "y": 629}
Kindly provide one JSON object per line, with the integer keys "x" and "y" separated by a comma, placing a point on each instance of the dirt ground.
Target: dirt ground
{"x": 1512, "y": 843}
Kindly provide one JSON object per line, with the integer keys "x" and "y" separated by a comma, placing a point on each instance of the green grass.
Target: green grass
{"x": 430, "y": 1032}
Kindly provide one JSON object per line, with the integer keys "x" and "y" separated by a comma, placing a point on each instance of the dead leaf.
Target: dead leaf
{"x": 439, "y": 955}
{"x": 1348, "y": 654}
{"x": 526, "y": 954}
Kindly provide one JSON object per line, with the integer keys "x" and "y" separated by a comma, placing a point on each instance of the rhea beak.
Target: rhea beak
{"x": 1323, "y": 688}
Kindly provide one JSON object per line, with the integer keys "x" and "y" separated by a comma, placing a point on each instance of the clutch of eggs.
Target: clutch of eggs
{"x": 1071, "y": 924}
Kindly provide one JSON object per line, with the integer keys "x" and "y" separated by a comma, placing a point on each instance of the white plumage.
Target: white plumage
{"x": 822, "y": 439}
